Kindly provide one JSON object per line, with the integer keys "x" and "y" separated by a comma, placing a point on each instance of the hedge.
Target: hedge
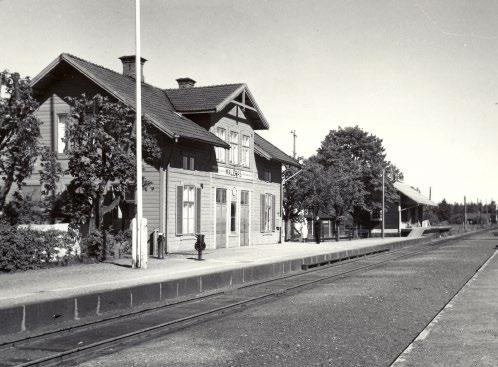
{"x": 24, "y": 249}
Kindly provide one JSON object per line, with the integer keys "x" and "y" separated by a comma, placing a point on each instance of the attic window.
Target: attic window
{"x": 62, "y": 120}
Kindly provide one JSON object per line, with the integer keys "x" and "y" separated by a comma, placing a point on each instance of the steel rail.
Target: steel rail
{"x": 73, "y": 353}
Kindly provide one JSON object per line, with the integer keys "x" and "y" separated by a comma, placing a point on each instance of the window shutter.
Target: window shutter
{"x": 198, "y": 207}
{"x": 273, "y": 209}
{"x": 179, "y": 210}
{"x": 262, "y": 211}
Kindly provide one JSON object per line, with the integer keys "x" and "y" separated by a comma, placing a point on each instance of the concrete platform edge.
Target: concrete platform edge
{"x": 30, "y": 317}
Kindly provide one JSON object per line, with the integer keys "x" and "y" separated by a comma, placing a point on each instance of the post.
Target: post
{"x": 294, "y": 136}
{"x": 138, "y": 261}
{"x": 399, "y": 219}
{"x": 464, "y": 213}
{"x": 281, "y": 210}
{"x": 383, "y": 202}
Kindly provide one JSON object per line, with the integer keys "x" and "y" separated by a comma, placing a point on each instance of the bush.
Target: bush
{"x": 99, "y": 245}
{"x": 93, "y": 245}
{"x": 24, "y": 249}
{"x": 24, "y": 210}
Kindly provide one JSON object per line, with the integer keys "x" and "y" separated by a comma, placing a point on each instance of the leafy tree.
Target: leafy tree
{"x": 101, "y": 150}
{"x": 356, "y": 159}
{"x": 291, "y": 203}
{"x": 332, "y": 190}
{"x": 50, "y": 175}
{"x": 19, "y": 133}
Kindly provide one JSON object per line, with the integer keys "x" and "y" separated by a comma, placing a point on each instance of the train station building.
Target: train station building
{"x": 217, "y": 176}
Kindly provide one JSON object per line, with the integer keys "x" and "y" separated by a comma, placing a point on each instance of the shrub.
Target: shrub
{"x": 93, "y": 245}
{"x": 98, "y": 245}
{"x": 24, "y": 249}
{"x": 24, "y": 210}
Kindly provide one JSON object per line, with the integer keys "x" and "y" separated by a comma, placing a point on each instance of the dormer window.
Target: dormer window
{"x": 234, "y": 147}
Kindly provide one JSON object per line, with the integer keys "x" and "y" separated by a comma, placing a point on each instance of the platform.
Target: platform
{"x": 46, "y": 298}
{"x": 464, "y": 333}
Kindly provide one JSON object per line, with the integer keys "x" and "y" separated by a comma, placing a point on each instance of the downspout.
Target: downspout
{"x": 168, "y": 165}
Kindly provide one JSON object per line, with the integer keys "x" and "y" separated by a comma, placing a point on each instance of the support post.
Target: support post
{"x": 464, "y": 213}
{"x": 140, "y": 252}
{"x": 383, "y": 203}
{"x": 294, "y": 136}
{"x": 399, "y": 219}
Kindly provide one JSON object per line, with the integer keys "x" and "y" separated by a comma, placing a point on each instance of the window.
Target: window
{"x": 244, "y": 197}
{"x": 32, "y": 192}
{"x": 221, "y": 196}
{"x": 267, "y": 212}
{"x": 188, "y": 209}
{"x": 245, "y": 150}
{"x": 62, "y": 120}
{"x": 233, "y": 216}
{"x": 221, "y": 152}
{"x": 267, "y": 175}
{"x": 234, "y": 147}
{"x": 188, "y": 162}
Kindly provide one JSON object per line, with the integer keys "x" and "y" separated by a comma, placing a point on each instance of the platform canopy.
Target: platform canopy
{"x": 413, "y": 194}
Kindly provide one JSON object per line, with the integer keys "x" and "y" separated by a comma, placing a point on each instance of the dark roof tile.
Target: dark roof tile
{"x": 200, "y": 98}
{"x": 155, "y": 104}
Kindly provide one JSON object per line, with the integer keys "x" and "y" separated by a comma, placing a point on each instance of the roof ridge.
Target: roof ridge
{"x": 113, "y": 71}
{"x": 206, "y": 86}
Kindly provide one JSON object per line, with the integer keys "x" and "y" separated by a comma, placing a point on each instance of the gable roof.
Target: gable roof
{"x": 198, "y": 99}
{"x": 267, "y": 150}
{"x": 413, "y": 194}
{"x": 155, "y": 104}
{"x": 215, "y": 98}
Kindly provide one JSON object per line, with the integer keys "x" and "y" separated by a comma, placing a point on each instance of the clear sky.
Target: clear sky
{"x": 422, "y": 75}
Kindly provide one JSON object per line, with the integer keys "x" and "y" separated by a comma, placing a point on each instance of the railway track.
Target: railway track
{"x": 80, "y": 342}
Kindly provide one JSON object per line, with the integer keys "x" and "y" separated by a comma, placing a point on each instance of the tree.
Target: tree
{"x": 291, "y": 204}
{"x": 444, "y": 211}
{"x": 357, "y": 158}
{"x": 19, "y": 133}
{"x": 333, "y": 190}
{"x": 101, "y": 150}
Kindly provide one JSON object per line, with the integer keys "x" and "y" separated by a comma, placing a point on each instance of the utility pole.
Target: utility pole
{"x": 383, "y": 202}
{"x": 294, "y": 136}
{"x": 465, "y": 213}
{"x": 138, "y": 260}
{"x": 430, "y": 192}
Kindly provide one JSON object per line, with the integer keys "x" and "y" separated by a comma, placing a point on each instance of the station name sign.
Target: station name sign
{"x": 224, "y": 171}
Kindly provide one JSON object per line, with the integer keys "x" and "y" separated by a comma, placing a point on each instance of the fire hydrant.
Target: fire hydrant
{"x": 200, "y": 246}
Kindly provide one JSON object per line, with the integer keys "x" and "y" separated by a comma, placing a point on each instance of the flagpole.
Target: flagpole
{"x": 138, "y": 262}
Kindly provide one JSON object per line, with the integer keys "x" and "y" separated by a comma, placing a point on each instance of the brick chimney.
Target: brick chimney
{"x": 185, "y": 83}
{"x": 129, "y": 66}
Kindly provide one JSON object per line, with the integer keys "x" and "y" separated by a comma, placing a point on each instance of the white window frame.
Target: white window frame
{"x": 268, "y": 219}
{"x": 234, "y": 147}
{"x": 188, "y": 211}
{"x": 61, "y": 146}
{"x": 221, "y": 153}
{"x": 246, "y": 148}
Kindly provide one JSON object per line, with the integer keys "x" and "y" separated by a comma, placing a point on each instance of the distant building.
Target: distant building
{"x": 405, "y": 213}
{"x": 218, "y": 177}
